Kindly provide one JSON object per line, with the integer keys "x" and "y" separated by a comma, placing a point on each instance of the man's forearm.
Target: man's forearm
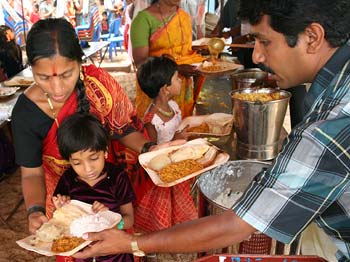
{"x": 198, "y": 235}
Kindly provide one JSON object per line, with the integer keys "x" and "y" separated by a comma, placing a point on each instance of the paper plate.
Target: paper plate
{"x": 224, "y": 67}
{"x": 7, "y": 91}
{"x": 44, "y": 248}
{"x": 220, "y": 123}
{"x": 145, "y": 158}
{"x": 19, "y": 81}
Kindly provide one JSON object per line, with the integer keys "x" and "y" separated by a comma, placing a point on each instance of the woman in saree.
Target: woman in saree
{"x": 62, "y": 87}
{"x": 164, "y": 28}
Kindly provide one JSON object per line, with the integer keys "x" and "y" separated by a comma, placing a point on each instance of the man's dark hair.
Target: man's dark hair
{"x": 291, "y": 17}
{"x": 155, "y": 73}
{"x": 81, "y": 132}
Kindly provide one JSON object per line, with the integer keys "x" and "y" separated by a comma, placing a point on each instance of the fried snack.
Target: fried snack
{"x": 24, "y": 81}
{"x": 178, "y": 170}
{"x": 202, "y": 128}
{"x": 64, "y": 244}
{"x": 212, "y": 68}
{"x": 254, "y": 97}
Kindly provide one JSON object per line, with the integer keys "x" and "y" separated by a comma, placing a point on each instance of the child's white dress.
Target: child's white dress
{"x": 165, "y": 130}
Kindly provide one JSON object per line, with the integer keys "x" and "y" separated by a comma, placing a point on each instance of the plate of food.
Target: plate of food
{"x": 218, "y": 67}
{"x": 62, "y": 235}
{"x": 7, "y": 91}
{"x": 19, "y": 81}
{"x": 173, "y": 165}
{"x": 215, "y": 128}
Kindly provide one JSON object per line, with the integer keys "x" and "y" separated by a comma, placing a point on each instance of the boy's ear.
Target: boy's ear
{"x": 106, "y": 154}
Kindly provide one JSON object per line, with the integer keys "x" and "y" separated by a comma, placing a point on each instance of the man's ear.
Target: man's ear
{"x": 315, "y": 37}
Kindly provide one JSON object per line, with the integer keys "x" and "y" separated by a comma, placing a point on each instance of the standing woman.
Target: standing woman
{"x": 62, "y": 87}
{"x": 164, "y": 28}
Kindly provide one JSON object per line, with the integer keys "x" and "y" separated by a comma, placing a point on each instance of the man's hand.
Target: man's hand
{"x": 107, "y": 242}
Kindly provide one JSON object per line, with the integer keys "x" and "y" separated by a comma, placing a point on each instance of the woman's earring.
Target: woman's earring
{"x": 81, "y": 76}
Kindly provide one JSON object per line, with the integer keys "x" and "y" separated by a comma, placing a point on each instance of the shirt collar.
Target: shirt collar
{"x": 327, "y": 74}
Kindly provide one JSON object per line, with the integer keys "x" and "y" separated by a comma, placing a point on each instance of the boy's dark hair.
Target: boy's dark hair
{"x": 81, "y": 131}
{"x": 291, "y": 17}
{"x": 104, "y": 13}
{"x": 155, "y": 73}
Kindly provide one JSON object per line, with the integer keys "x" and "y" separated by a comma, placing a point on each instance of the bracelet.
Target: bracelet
{"x": 121, "y": 224}
{"x": 147, "y": 146}
{"x": 36, "y": 208}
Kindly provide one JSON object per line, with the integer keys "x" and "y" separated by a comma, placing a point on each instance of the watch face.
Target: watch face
{"x": 139, "y": 253}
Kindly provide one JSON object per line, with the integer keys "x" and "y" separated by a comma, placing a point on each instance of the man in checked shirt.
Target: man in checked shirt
{"x": 300, "y": 41}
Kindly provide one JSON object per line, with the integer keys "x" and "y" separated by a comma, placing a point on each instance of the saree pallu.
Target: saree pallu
{"x": 174, "y": 39}
{"x": 110, "y": 104}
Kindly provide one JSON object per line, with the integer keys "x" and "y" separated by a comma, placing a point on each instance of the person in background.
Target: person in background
{"x": 11, "y": 61}
{"x": 164, "y": 28}
{"x": 78, "y": 7}
{"x": 196, "y": 9}
{"x": 104, "y": 23}
{"x": 83, "y": 141}
{"x": 301, "y": 41}
{"x": 35, "y": 16}
{"x": 166, "y": 206}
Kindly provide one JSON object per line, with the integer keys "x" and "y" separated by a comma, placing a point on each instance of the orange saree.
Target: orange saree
{"x": 175, "y": 39}
{"x": 110, "y": 104}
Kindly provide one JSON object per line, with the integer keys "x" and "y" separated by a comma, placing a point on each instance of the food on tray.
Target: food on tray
{"x": 183, "y": 161}
{"x": 66, "y": 214}
{"x": 22, "y": 81}
{"x": 65, "y": 243}
{"x": 48, "y": 232}
{"x": 88, "y": 223}
{"x": 219, "y": 124}
{"x": 254, "y": 97}
{"x": 189, "y": 152}
{"x": 202, "y": 128}
{"x": 179, "y": 169}
{"x": 211, "y": 66}
{"x": 159, "y": 161}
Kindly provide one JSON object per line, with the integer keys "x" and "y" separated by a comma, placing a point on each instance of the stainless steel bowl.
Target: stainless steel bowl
{"x": 246, "y": 77}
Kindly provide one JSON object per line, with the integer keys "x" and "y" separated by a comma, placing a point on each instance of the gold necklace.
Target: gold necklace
{"x": 165, "y": 23}
{"x": 163, "y": 112}
{"x": 52, "y": 109}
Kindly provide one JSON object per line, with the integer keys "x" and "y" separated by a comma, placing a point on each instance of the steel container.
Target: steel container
{"x": 258, "y": 124}
{"x": 246, "y": 77}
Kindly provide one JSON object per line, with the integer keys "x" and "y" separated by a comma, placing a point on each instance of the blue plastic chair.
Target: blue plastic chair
{"x": 116, "y": 40}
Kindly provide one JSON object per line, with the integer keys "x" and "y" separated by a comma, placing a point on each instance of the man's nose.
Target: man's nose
{"x": 258, "y": 53}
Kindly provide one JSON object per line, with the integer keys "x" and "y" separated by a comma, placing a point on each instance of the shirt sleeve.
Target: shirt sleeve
{"x": 303, "y": 182}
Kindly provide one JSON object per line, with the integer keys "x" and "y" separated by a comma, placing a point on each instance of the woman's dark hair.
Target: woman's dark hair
{"x": 155, "y": 73}
{"x": 81, "y": 132}
{"x": 291, "y": 17}
{"x": 56, "y": 36}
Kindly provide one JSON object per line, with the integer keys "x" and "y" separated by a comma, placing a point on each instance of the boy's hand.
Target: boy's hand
{"x": 60, "y": 200}
{"x": 97, "y": 207}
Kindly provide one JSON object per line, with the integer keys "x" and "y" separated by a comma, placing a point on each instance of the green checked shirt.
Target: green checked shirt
{"x": 310, "y": 178}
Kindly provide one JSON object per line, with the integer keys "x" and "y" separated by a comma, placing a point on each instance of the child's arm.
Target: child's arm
{"x": 151, "y": 131}
{"x": 127, "y": 212}
{"x": 60, "y": 200}
{"x": 181, "y": 134}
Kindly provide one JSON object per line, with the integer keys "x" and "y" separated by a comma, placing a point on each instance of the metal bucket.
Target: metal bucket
{"x": 258, "y": 124}
{"x": 222, "y": 187}
{"x": 246, "y": 77}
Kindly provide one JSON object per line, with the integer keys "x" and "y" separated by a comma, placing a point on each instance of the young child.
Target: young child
{"x": 104, "y": 23}
{"x": 159, "y": 80}
{"x": 163, "y": 207}
{"x": 82, "y": 140}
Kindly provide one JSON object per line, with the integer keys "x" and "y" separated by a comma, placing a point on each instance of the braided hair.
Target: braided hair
{"x": 56, "y": 36}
